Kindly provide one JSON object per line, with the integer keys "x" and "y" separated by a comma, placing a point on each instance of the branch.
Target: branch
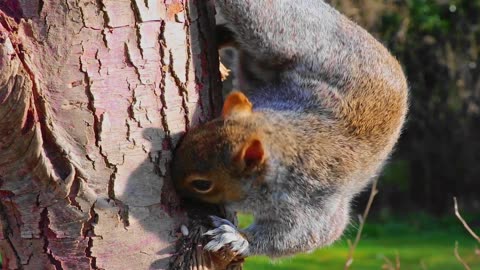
{"x": 467, "y": 227}
{"x": 465, "y": 224}
{"x": 389, "y": 264}
{"x": 457, "y": 255}
{"x": 373, "y": 192}
{"x": 423, "y": 265}
{"x": 397, "y": 260}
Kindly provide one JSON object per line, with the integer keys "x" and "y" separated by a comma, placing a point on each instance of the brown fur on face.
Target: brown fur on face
{"x": 216, "y": 152}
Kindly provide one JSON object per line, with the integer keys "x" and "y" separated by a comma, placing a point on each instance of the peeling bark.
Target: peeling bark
{"x": 94, "y": 96}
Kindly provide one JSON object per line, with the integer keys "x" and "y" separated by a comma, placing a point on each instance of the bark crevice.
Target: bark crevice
{"x": 46, "y": 233}
{"x": 7, "y": 233}
{"x": 182, "y": 88}
{"x": 162, "y": 46}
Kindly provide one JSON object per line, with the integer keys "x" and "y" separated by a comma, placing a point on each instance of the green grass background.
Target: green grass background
{"x": 418, "y": 240}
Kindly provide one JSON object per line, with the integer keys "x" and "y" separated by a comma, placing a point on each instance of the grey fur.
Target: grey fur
{"x": 329, "y": 102}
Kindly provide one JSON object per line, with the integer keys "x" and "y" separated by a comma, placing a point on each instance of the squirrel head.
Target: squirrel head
{"x": 212, "y": 161}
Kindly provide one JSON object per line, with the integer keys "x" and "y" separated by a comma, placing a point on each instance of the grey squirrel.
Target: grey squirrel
{"x": 321, "y": 106}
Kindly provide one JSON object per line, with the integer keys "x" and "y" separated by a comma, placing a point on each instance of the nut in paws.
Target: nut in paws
{"x": 226, "y": 235}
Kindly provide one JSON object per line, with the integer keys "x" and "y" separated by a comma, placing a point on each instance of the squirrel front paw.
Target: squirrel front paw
{"x": 226, "y": 235}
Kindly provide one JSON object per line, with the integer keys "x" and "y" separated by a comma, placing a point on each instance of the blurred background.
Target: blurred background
{"x": 438, "y": 155}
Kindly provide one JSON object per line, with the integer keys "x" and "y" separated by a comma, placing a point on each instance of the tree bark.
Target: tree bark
{"x": 94, "y": 95}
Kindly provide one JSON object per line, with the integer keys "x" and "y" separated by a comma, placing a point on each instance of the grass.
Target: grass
{"x": 421, "y": 242}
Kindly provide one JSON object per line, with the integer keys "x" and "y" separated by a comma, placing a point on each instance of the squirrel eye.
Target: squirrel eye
{"x": 201, "y": 185}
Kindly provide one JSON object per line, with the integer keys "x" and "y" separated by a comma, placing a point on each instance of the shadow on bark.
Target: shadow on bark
{"x": 189, "y": 253}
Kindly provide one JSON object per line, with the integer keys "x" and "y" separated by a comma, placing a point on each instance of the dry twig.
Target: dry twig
{"x": 457, "y": 255}
{"x": 465, "y": 224}
{"x": 423, "y": 265}
{"x": 389, "y": 264}
{"x": 397, "y": 260}
{"x": 467, "y": 227}
{"x": 353, "y": 246}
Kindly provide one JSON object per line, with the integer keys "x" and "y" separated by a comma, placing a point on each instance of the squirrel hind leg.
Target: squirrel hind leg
{"x": 224, "y": 36}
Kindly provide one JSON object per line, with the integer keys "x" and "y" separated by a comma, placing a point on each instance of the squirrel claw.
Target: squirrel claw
{"x": 226, "y": 234}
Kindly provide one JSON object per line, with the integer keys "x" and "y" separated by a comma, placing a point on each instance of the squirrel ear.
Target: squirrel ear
{"x": 236, "y": 103}
{"x": 252, "y": 153}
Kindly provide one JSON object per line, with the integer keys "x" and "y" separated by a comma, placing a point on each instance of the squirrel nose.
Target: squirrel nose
{"x": 202, "y": 185}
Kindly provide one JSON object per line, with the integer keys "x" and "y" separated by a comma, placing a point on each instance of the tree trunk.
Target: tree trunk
{"x": 94, "y": 95}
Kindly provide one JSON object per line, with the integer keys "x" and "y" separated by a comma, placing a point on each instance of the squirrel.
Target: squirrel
{"x": 322, "y": 105}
